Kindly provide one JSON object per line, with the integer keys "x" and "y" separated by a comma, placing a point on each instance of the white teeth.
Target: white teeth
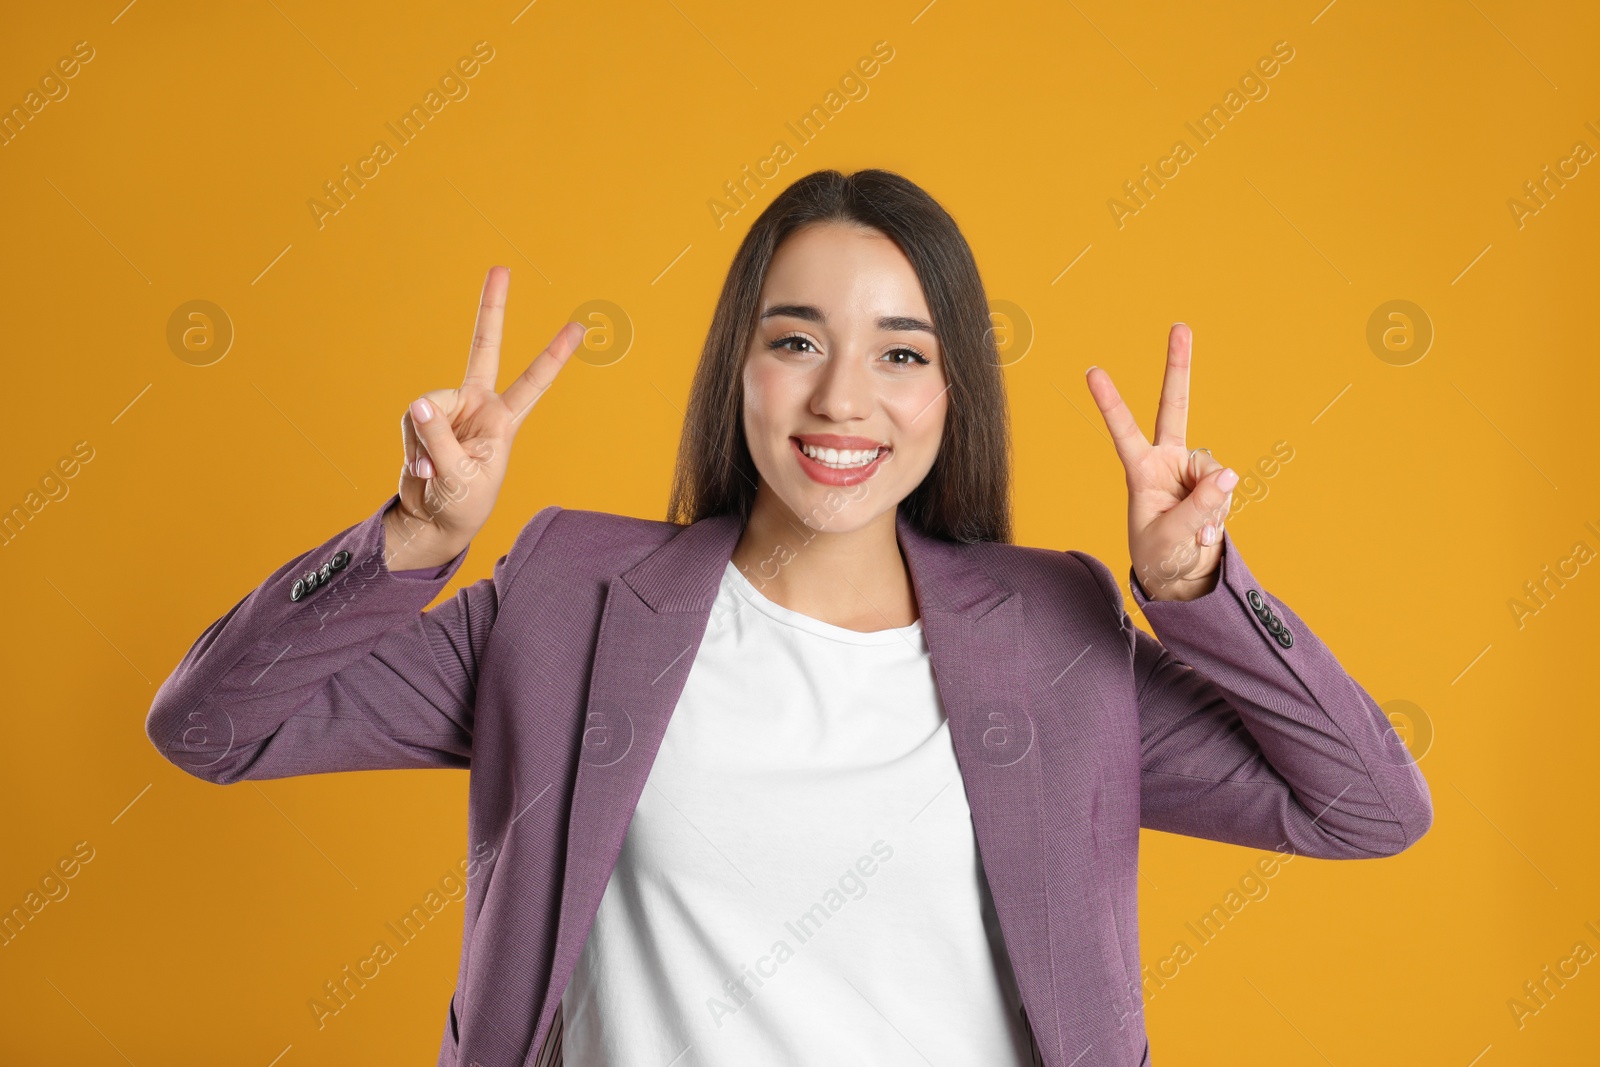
{"x": 841, "y": 458}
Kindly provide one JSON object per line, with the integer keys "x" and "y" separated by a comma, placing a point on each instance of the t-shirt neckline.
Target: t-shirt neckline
{"x": 800, "y": 621}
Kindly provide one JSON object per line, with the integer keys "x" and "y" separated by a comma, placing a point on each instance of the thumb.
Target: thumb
{"x": 1209, "y": 500}
{"x": 430, "y": 418}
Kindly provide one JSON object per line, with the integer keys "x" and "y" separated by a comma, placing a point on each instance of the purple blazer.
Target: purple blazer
{"x": 553, "y": 681}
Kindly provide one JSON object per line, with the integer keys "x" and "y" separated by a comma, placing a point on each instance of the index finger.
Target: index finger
{"x": 522, "y": 394}
{"x": 483, "y": 361}
{"x": 1172, "y": 414}
{"x": 1126, "y": 436}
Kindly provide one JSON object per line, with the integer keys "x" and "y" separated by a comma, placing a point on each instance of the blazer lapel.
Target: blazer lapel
{"x": 654, "y": 618}
{"x": 974, "y": 629}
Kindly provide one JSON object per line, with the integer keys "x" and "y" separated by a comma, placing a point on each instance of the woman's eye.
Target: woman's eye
{"x": 913, "y": 358}
{"x": 785, "y": 342}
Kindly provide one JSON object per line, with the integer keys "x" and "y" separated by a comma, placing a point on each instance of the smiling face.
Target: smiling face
{"x": 844, "y": 382}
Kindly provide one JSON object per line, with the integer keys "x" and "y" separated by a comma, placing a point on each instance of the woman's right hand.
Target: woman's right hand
{"x": 458, "y": 441}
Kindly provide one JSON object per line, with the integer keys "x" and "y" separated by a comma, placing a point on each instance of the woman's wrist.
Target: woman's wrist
{"x": 1178, "y": 589}
{"x": 410, "y": 544}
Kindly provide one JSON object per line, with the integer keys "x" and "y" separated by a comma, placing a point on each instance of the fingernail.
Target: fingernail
{"x": 1208, "y": 535}
{"x": 421, "y": 410}
{"x": 424, "y": 467}
{"x": 1228, "y": 478}
{"x": 1092, "y": 366}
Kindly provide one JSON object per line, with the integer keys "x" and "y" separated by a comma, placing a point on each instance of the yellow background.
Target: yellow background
{"x": 1416, "y": 505}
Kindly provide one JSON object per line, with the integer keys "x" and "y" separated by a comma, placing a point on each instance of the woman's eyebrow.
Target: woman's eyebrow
{"x": 797, "y": 311}
{"x": 892, "y": 323}
{"x": 899, "y": 323}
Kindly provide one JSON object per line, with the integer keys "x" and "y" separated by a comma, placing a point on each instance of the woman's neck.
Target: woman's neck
{"x": 855, "y": 579}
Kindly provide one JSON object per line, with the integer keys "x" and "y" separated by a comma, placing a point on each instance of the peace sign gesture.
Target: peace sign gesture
{"x": 458, "y": 441}
{"x": 1177, "y": 497}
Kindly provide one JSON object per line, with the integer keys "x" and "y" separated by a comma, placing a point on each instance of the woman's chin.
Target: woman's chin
{"x": 833, "y": 509}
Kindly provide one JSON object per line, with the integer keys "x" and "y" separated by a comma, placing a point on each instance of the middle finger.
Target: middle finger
{"x": 1172, "y": 415}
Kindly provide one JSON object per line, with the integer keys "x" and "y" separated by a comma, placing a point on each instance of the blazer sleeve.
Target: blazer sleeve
{"x": 1253, "y": 734}
{"x": 352, "y": 675}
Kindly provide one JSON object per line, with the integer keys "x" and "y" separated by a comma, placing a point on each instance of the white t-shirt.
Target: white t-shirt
{"x": 800, "y": 883}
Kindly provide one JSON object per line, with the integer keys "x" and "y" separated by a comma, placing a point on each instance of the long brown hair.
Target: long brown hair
{"x": 966, "y": 495}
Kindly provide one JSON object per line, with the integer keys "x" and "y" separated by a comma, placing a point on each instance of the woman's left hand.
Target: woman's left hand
{"x": 1177, "y": 500}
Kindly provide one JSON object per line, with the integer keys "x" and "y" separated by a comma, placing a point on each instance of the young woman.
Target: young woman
{"x": 824, "y": 770}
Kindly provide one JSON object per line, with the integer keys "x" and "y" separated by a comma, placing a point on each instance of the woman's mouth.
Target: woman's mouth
{"x": 839, "y": 466}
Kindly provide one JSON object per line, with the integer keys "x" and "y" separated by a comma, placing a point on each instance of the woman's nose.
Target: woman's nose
{"x": 843, "y": 389}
